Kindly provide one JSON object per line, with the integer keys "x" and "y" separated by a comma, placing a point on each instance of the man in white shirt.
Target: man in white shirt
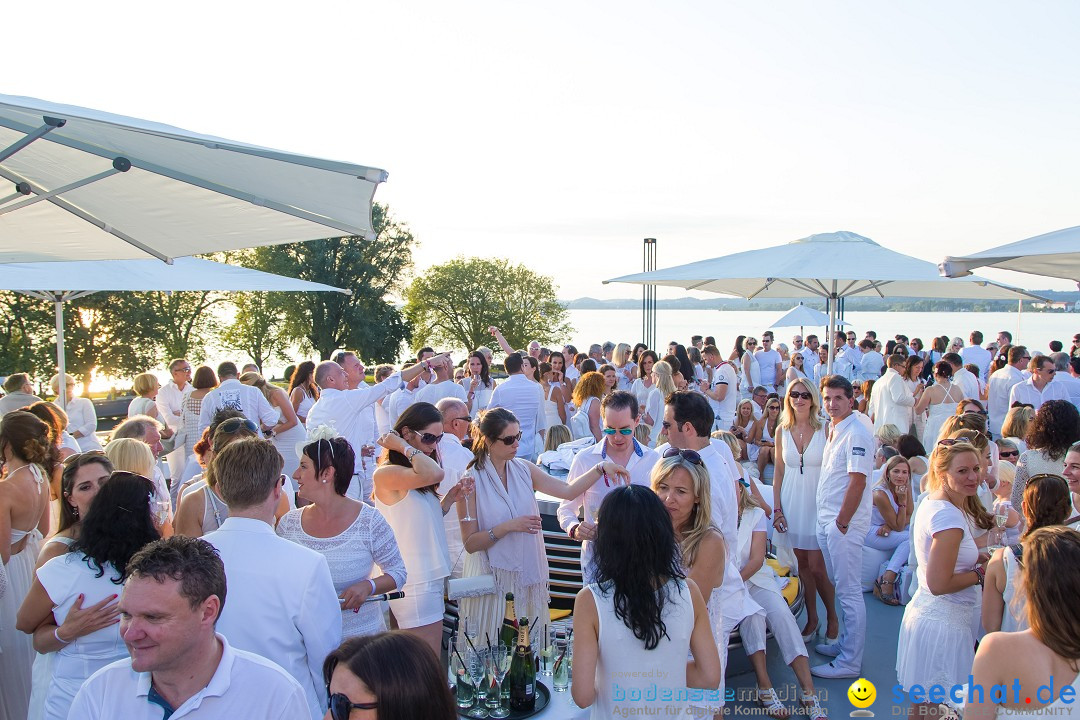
{"x": 571, "y": 373}
{"x": 618, "y": 414}
{"x": 1040, "y": 387}
{"x": 852, "y": 354}
{"x": 441, "y": 386}
{"x": 282, "y": 603}
{"x": 721, "y": 391}
{"x": 760, "y": 397}
{"x": 1064, "y": 377}
{"x": 810, "y": 354}
{"x": 18, "y": 393}
{"x": 525, "y": 399}
{"x": 367, "y": 426}
{"x": 962, "y": 376}
{"x": 977, "y": 355}
{"x": 1000, "y": 386}
{"x": 891, "y": 403}
{"x": 843, "y": 506}
{"x": 344, "y": 409}
{"x": 233, "y": 394}
{"x": 179, "y": 667}
{"x": 170, "y": 405}
{"x": 872, "y": 361}
{"x": 454, "y": 459}
{"x": 769, "y": 362}
{"x": 399, "y": 400}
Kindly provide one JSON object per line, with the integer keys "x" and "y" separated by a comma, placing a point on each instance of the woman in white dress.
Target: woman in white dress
{"x": 642, "y": 386}
{"x": 303, "y": 392}
{"x": 800, "y": 447}
{"x": 478, "y": 383}
{"x": 663, "y": 386}
{"x": 82, "y": 418}
{"x": 353, "y": 536}
{"x": 500, "y": 521}
{"x": 763, "y": 436}
{"x": 912, "y": 381}
{"x": 1046, "y": 654}
{"x": 554, "y": 400}
{"x": 751, "y": 370}
{"x": 202, "y": 383}
{"x": 406, "y": 493}
{"x": 889, "y": 521}
{"x": 146, "y": 387}
{"x": 26, "y": 450}
{"x": 1046, "y": 503}
{"x": 119, "y": 523}
{"x": 937, "y": 641}
{"x": 288, "y": 432}
{"x": 83, "y": 476}
{"x": 625, "y": 369}
{"x": 558, "y": 377}
{"x": 585, "y": 422}
{"x": 795, "y": 370}
{"x": 939, "y": 401}
{"x": 662, "y": 616}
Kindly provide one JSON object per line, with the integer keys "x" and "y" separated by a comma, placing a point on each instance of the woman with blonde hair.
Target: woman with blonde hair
{"x": 800, "y": 449}
{"x": 887, "y": 435}
{"x": 890, "y": 516}
{"x": 750, "y": 369}
{"x": 146, "y": 387}
{"x": 763, "y": 436}
{"x": 936, "y": 636}
{"x": 1015, "y": 427}
{"x": 663, "y": 387}
{"x": 625, "y": 370}
{"x": 587, "y": 394}
{"x": 131, "y": 455}
{"x": 288, "y": 432}
{"x": 744, "y": 425}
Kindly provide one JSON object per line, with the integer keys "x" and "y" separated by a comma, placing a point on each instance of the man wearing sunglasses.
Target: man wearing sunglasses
{"x": 170, "y": 401}
{"x": 1001, "y": 384}
{"x": 454, "y": 459}
{"x": 619, "y": 417}
{"x": 843, "y": 501}
{"x": 1040, "y": 387}
{"x": 179, "y": 666}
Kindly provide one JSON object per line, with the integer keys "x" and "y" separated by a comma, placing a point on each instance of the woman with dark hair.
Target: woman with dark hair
{"x": 502, "y": 533}
{"x": 641, "y": 588}
{"x": 27, "y": 454}
{"x": 57, "y": 420}
{"x": 303, "y": 392}
{"x": 351, "y": 535}
{"x": 910, "y": 373}
{"x": 643, "y": 384}
{"x": 686, "y": 367}
{"x": 558, "y": 379}
{"x": 392, "y": 674}
{"x": 938, "y": 401}
{"x": 1052, "y": 432}
{"x": 1046, "y": 503}
{"x": 915, "y": 453}
{"x": 202, "y": 383}
{"x": 406, "y": 493}
{"x": 1047, "y": 653}
{"x": 119, "y": 523}
{"x": 635, "y": 354}
{"x": 478, "y": 383}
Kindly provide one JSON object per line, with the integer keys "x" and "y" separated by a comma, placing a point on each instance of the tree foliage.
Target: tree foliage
{"x": 453, "y": 304}
{"x": 26, "y": 331}
{"x": 371, "y": 269}
{"x": 258, "y": 326}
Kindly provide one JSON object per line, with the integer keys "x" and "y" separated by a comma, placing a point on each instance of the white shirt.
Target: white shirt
{"x": 979, "y": 356}
{"x": 871, "y": 364}
{"x": 1000, "y": 387}
{"x": 854, "y": 356}
{"x": 525, "y": 399}
{"x": 281, "y": 603}
{"x": 244, "y": 685}
{"x": 724, "y": 410}
{"x": 1026, "y": 392}
{"x": 640, "y": 466}
{"x": 170, "y": 399}
{"x": 968, "y": 383}
{"x": 850, "y": 449}
{"x": 435, "y": 392}
{"x": 1071, "y": 384}
{"x": 767, "y": 361}
{"x": 83, "y": 418}
{"x": 235, "y": 395}
{"x": 454, "y": 457}
{"x": 398, "y": 401}
{"x": 810, "y": 357}
{"x": 892, "y": 401}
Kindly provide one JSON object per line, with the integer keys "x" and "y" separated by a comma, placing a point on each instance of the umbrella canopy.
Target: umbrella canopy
{"x": 802, "y": 315}
{"x": 1055, "y": 254}
{"x": 828, "y": 265}
{"x": 87, "y": 277}
{"x": 89, "y": 185}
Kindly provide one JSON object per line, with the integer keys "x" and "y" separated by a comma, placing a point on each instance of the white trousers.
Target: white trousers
{"x": 843, "y": 563}
{"x": 778, "y": 617}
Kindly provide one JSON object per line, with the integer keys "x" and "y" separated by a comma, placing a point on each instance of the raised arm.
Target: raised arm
{"x": 502, "y": 341}
{"x": 612, "y": 472}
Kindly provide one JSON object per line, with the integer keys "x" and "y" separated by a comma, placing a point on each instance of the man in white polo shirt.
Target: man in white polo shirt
{"x": 454, "y": 459}
{"x": 722, "y": 390}
{"x": 619, "y": 417}
{"x": 1001, "y": 384}
{"x": 179, "y": 667}
{"x": 843, "y": 506}
{"x": 1040, "y": 387}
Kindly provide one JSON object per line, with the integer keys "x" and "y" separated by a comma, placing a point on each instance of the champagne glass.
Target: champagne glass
{"x": 465, "y": 497}
{"x": 501, "y": 656}
{"x": 477, "y": 668}
{"x": 161, "y": 510}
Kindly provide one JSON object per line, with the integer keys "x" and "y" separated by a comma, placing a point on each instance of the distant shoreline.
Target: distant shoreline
{"x": 897, "y": 304}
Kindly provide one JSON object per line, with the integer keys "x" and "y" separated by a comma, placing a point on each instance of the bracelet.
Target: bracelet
{"x": 491, "y": 534}
{"x": 573, "y": 529}
{"x": 599, "y": 468}
{"x": 373, "y": 590}
{"x": 56, "y": 634}
{"x": 980, "y": 574}
{"x": 778, "y": 511}
{"x": 841, "y": 525}
{"x": 410, "y": 453}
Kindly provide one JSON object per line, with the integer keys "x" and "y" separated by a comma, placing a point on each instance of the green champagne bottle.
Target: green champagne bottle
{"x": 508, "y": 632}
{"x": 523, "y": 672}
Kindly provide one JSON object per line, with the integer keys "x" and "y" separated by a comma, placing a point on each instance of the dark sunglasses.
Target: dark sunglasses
{"x": 1009, "y": 453}
{"x": 976, "y": 412}
{"x": 688, "y": 455}
{"x": 509, "y": 440}
{"x": 233, "y": 425}
{"x": 466, "y": 418}
{"x": 429, "y": 438}
{"x": 796, "y": 395}
{"x": 949, "y": 442}
{"x": 1020, "y": 404}
{"x": 621, "y": 431}
{"x": 341, "y": 706}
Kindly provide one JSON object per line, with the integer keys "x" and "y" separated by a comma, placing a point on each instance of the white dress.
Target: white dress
{"x": 481, "y": 397}
{"x": 417, "y": 521}
{"x": 937, "y": 642}
{"x": 286, "y": 443}
{"x": 938, "y": 414}
{"x": 64, "y": 578}
{"x": 305, "y": 405}
{"x": 43, "y": 662}
{"x": 351, "y": 557}
{"x": 798, "y": 491}
{"x": 140, "y": 406}
{"x": 551, "y": 410}
{"x": 83, "y": 418}
{"x": 1014, "y": 617}
{"x": 621, "y": 655}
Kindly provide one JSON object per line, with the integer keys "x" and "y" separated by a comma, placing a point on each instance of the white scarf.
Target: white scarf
{"x": 519, "y": 553}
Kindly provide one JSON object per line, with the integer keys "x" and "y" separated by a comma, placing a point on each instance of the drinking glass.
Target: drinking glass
{"x": 544, "y": 650}
{"x": 477, "y": 668}
{"x": 501, "y": 656}
{"x": 460, "y": 674}
{"x": 161, "y": 510}
{"x": 561, "y": 672}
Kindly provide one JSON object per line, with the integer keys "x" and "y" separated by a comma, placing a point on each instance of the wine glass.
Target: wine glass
{"x": 477, "y": 667}
{"x": 465, "y": 498}
{"x": 501, "y": 657}
{"x": 161, "y": 510}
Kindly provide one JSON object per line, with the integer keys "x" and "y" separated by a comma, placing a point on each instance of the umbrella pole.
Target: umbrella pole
{"x": 829, "y": 333}
{"x": 61, "y": 397}
{"x": 1019, "y": 313}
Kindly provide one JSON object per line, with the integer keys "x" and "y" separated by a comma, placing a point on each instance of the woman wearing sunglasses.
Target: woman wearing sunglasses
{"x": 406, "y": 493}
{"x": 764, "y": 433}
{"x": 389, "y": 676}
{"x": 502, "y": 535}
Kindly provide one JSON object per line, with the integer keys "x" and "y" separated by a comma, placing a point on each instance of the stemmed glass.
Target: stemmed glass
{"x": 500, "y": 659}
{"x": 465, "y": 497}
{"x": 477, "y": 667}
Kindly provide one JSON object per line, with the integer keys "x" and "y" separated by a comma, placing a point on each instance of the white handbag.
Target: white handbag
{"x": 473, "y": 586}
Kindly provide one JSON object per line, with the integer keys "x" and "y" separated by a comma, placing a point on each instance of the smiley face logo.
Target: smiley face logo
{"x": 862, "y": 693}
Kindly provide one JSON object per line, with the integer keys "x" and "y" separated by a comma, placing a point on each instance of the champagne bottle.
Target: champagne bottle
{"x": 508, "y": 632}
{"x": 522, "y": 672}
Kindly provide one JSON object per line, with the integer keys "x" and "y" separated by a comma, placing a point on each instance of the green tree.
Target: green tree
{"x": 26, "y": 334}
{"x": 453, "y": 304}
{"x": 258, "y": 328}
{"x": 371, "y": 269}
{"x": 183, "y": 323}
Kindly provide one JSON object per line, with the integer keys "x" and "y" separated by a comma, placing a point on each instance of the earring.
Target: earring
{"x": 75, "y": 508}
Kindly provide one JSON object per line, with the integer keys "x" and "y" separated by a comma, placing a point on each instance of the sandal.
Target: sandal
{"x": 889, "y": 598}
{"x": 812, "y": 708}
{"x": 773, "y": 707}
{"x": 808, "y": 636}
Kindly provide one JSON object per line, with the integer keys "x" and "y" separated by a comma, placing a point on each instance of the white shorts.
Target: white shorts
{"x": 422, "y": 605}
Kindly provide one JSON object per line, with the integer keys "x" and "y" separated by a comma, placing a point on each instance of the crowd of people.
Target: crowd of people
{"x": 335, "y": 514}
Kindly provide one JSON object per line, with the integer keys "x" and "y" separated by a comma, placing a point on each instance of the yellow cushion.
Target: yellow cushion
{"x": 791, "y": 591}
{"x": 781, "y": 570}
{"x": 558, "y": 614}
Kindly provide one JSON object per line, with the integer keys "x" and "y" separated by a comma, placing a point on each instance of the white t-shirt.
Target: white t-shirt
{"x": 850, "y": 449}
{"x": 767, "y": 361}
{"x": 933, "y": 517}
{"x": 979, "y": 356}
{"x": 725, "y": 409}
{"x": 434, "y": 392}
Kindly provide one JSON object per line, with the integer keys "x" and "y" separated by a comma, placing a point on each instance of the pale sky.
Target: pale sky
{"x": 559, "y": 134}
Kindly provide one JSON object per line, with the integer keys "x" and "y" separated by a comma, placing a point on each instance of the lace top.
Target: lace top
{"x": 351, "y": 555}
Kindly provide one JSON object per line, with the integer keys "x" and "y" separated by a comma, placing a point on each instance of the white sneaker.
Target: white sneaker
{"x": 829, "y": 648}
{"x": 832, "y": 671}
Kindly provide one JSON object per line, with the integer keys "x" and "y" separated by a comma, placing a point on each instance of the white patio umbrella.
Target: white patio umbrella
{"x": 1055, "y": 254}
{"x": 91, "y": 276}
{"x": 828, "y": 265}
{"x": 803, "y": 315}
{"x": 89, "y": 185}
